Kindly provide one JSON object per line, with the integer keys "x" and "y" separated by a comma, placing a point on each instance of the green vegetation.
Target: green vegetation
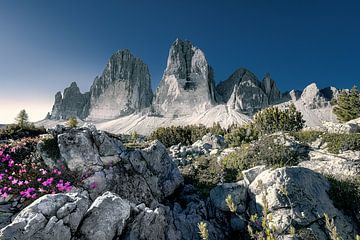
{"x": 203, "y": 231}
{"x": 348, "y": 105}
{"x": 186, "y": 135}
{"x": 336, "y": 142}
{"x": 342, "y": 142}
{"x": 15, "y": 132}
{"x": 22, "y": 119}
{"x": 345, "y": 194}
{"x": 240, "y": 135}
{"x": 331, "y": 227}
{"x": 306, "y": 137}
{"x": 72, "y": 122}
{"x": 204, "y": 173}
{"x": 273, "y": 119}
{"x": 270, "y": 120}
{"x": 134, "y": 136}
{"x": 263, "y": 151}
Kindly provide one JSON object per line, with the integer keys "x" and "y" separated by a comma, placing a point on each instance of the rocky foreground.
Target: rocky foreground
{"x": 141, "y": 194}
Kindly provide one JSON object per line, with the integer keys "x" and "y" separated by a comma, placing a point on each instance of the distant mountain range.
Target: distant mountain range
{"x": 121, "y": 100}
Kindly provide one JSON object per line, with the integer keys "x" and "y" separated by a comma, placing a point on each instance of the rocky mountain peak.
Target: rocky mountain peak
{"x": 187, "y": 81}
{"x": 243, "y": 91}
{"x": 270, "y": 88}
{"x": 123, "y": 88}
{"x": 313, "y": 97}
{"x": 71, "y": 103}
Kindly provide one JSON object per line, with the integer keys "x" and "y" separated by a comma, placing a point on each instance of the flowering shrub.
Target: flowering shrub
{"x": 25, "y": 177}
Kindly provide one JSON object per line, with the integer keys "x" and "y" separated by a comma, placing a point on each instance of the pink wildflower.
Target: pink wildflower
{"x": 48, "y": 182}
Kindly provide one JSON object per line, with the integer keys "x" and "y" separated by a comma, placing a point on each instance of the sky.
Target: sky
{"x": 46, "y": 45}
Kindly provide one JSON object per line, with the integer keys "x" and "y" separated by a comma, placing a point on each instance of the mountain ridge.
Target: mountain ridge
{"x": 186, "y": 94}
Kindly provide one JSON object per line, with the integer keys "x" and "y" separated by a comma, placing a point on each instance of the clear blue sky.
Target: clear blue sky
{"x": 45, "y": 45}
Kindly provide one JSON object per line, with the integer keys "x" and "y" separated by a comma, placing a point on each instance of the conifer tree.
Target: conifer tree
{"x": 348, "y": 105}
{"x": 22, "y": 119}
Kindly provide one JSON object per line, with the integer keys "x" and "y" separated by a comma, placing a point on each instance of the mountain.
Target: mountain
{"x": 243, "y": 92}
{"x": 122, "y": 89}
{"x": 72, "y": 103}
{"x": 120, "y": 100}
{"x": 314, "y": 104}
{"x": 187, "y": 86}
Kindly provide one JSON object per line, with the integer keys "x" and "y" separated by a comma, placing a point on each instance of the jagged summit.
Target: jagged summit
{"x": 187, "y": 85}
{"x": 121, "y": 97}
{"x": 72, "y": 103}
{"x": 123, "y": 88}
{"x": 244, "y": 92}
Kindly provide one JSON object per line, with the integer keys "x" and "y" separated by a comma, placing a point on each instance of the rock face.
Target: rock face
{"x": 352, "y": 126}
{"x": 244, "y": 92}
{"x": 313, "y": 103}
{"x": 72, "y": 104}
{"x": 270, "y": 89}
{"x": 123, "y": 88}
{"x": 187, "y": 85}
{"x": 304, "y": 204}
{"x": 53, "y": 216}
{"x": 313, "y": 97}
{"x": 105, "y": 218}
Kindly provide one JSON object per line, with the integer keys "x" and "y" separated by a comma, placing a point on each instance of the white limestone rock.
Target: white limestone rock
{"x": 123, "y": 88}
{"x": 72, "y": 104}
{"x": 187, "y": 85}
{"x": 243, "y": 92}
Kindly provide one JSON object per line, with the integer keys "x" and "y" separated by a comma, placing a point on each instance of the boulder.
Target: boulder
{"x": 106, "y": 217}
{"x": 352, "y": 126}
{"x": 297, "y": 196}
{"x": 250, "y": 174}
{"x": 52, "y": 216}
{"x": 78, "y": 151}
{"x": 238, "y": 192}
{"x": 343, "y": 165}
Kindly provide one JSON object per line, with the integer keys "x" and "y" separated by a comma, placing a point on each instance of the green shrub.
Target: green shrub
{"x": 14, "y": 131}
{"x": 273, "y": 119}
{"x": 240, "y": 135}
{"x": 263, "y": 151}
{"x": 22, "y": 119}
{"x": 348, "y": 105}
{"x": 72, "y": 122}
{"x": 341, "y": 142}
{"x": 186, "y": 135}
{"x": 306, "y": 137}
{"x": 204, "y": 173}
{"x": 345, "y": 194}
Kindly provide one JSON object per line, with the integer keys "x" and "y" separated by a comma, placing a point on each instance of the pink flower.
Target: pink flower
{"x": 28, "y": 193}
{"x": 11, "y": 163}
{"x": 15, "y": 181}
{"x": 64, "y": 186}
{"x": 1, "y": 176}
{"x": 48, "y": 182}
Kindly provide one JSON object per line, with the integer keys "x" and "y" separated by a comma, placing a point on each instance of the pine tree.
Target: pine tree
{"x": 273, "y": 119}
{"x": 22, "y": 119}
{"x": 72, "y": 122}
{"x": 348, "y": 105}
